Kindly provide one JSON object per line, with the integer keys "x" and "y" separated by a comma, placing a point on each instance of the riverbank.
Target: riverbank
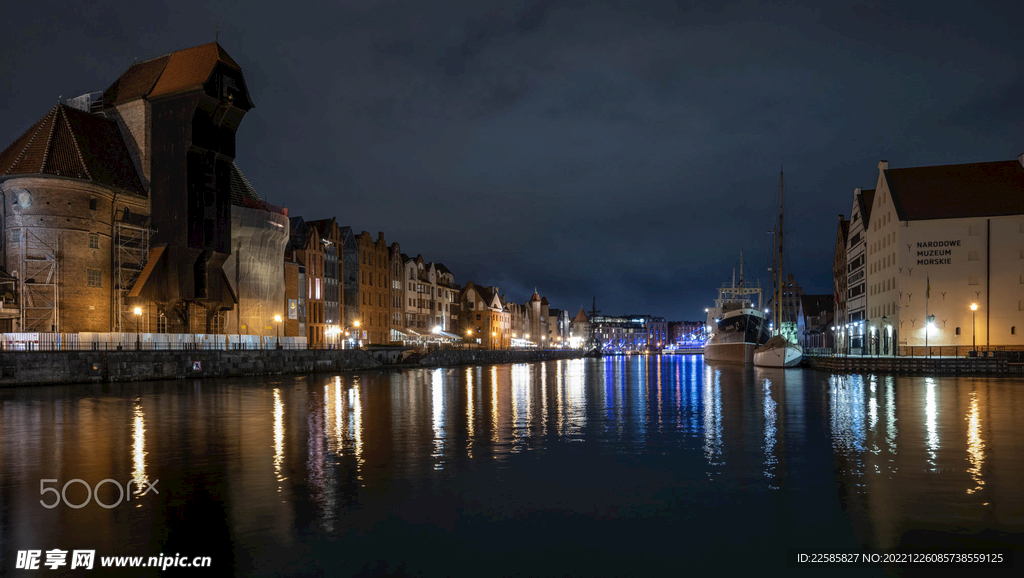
{"x": 19, "y": 368}
{"x": 929, "y": 365}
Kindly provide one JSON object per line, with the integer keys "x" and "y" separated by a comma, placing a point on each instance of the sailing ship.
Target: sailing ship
{"x": 782, "y": 349}
{"x": 737, "y": 327}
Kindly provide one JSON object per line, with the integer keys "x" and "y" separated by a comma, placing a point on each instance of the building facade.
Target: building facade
{"x": 839, "y": 285}
{"x": 939, "y": 240}
{"x": 854, "y": 328}
{"x": 374, "y": 289}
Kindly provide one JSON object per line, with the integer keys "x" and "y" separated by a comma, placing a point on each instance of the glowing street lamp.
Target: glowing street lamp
{"x": 974, "y": 329}
{"x": 138, "y": 315}
{"x": 277, "y": 322}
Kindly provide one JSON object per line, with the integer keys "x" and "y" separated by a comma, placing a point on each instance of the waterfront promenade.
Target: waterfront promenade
{"x": 938, "y": 365}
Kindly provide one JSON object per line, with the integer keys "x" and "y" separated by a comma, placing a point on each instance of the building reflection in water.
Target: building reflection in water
{"x": 931, "y": 417}
{"x": 470, "y": 407}
{"x": 576, "y": 402}
{"x": 278, "y": 438}
{"x": 770, "y": 416}
{"x": 520, "y": 417}
{"x": 437, "y": 413}
{"x": 890, "y": 425}
{"x": 139, "y": 450}
{"x": 712, "y": 405}
{"x": 975, "y": 444}
{"x": 494, "y": 407}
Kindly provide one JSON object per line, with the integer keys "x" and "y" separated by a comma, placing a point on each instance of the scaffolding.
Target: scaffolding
{"x": 39, "y": 282}
{"x": 131, "y": 251}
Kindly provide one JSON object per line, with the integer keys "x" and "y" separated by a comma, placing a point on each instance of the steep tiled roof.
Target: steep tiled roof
{"x": 953, "y": 191}
{"x": 581, "y": 317}
{"x": 241, "y": 189}
{"x": 178, "y": 71}
{"x": 867, "y": 198}
{"x": 74, "y": 144}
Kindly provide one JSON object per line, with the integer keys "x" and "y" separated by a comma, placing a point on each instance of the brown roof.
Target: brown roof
{"x": 73, "y": 144}
{"x": 867, "y": 198}
{"x": 179, "y": 71}
{"x": 581, "y": 317}
{"x": 954, "y": 191}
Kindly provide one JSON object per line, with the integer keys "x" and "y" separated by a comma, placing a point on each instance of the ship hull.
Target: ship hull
{"x": 782, "y": 356}
{"x": 739, "y": 352}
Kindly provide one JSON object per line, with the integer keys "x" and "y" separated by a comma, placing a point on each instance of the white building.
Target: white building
{"x": 939, "y": 239}
{"x": 854, "y": 328}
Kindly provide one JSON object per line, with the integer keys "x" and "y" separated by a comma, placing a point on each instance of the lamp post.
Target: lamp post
{"x": 356, "y": 325}
{"x": 885, "y": 334}
{"x": 974, "y": 329}
{"x": 493, "y": 335}
{"x": 277, "y": 322}
{"x": 138, "y": 315}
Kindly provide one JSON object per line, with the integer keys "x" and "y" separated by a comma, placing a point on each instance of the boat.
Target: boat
{"x": 782, "y": 349}
{"x": 736, "y": 326}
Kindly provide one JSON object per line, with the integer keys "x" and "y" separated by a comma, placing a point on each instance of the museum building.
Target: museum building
{"x": 943, "y": 259}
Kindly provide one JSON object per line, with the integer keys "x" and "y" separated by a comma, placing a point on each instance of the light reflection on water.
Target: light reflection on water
{"x": 652, "y": 444}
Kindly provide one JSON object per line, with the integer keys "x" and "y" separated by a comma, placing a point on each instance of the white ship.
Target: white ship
{"x": 782, "y": 350}
{"x": 736, "y": 326}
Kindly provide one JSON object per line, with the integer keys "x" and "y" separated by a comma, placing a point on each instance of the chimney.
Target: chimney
{"x": 380, "y": 236}
{"x": 883, "y": 165}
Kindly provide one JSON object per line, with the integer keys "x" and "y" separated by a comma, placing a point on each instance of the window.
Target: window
{"x": 92, "y": 204}
{"x": 958, "y": 331}
{"x": 161, "y": 324}
{"x": 16, "y": 236}
{"x": 972, "y": 255}
{"x": 1013, "y": 330}
{"x": 94, "y": 241}
{"x": 478, "y": 315}
{"x": 94, "y": 278}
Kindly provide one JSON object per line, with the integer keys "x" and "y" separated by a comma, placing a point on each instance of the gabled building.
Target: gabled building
{"x": 374, "y": 289}
{"x": 306, "y": 247}
{"x": 856, "y": 276}
{"x": 939, "y": 239}
{"x": 839, "y": 285}
{"x": 330, "y": 241}
{"x": 487, "y": 317}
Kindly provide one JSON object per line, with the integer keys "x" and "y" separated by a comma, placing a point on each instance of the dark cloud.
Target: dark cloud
{"x": 628, "y": 150}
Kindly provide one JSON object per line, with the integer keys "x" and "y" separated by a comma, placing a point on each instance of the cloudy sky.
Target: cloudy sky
{"x": 628, "y": 150}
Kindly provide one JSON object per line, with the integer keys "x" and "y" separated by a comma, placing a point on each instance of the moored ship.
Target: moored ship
{"x": 737, "y": 326}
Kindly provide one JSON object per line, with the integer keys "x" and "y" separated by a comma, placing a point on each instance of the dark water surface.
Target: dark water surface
{"x": 616, "y": 467}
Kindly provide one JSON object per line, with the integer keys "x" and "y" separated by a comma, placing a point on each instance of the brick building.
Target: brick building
{"x": 487, "y": 320}
{"x": 306, "y": 248}
{"x": 75, "y": 224}
{"x": 374, "y": 289}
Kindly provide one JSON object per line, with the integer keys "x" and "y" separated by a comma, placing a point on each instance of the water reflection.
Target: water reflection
{"x": 368, "y": 460}
{"x": 975, "y": 445}
{"x": 712, "y": 402}
{"x": 139, "y": 449}
{"x": 931, "y": 418}
{"x": 770, "y": 461}
{"x": 278, "y": 438}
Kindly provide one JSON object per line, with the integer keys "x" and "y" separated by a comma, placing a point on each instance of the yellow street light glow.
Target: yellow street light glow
{"x": 277, "y": 319}
{"x": 138, "y": 311}
{"x": 469, "y": 332}
{"x": 493, "y": 334}
{"x": 974, "y": 306}
{"x": 356, "y": 323}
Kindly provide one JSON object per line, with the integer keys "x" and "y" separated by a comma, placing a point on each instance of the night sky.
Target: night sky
{"x": 628, "y": 150}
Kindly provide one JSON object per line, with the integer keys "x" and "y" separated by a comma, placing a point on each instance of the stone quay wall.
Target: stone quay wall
{"x": 20, "y": 368}
{"x": 59, "y": 367}
{"x": 445, "y": 357}
{"x": 924, "y": 365}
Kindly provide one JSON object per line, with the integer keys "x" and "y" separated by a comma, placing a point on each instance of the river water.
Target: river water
{"x": 623, "y": 466}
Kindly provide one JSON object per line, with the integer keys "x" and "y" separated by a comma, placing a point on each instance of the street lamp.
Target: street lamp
{"x": 138, "y": 315}
{"x": 277, "y": 321}
{"x": 885, "y": 334}
{"x": 974, "y": 329}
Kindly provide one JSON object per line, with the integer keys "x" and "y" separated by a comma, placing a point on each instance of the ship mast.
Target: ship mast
{"x": 777, "y": 317}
